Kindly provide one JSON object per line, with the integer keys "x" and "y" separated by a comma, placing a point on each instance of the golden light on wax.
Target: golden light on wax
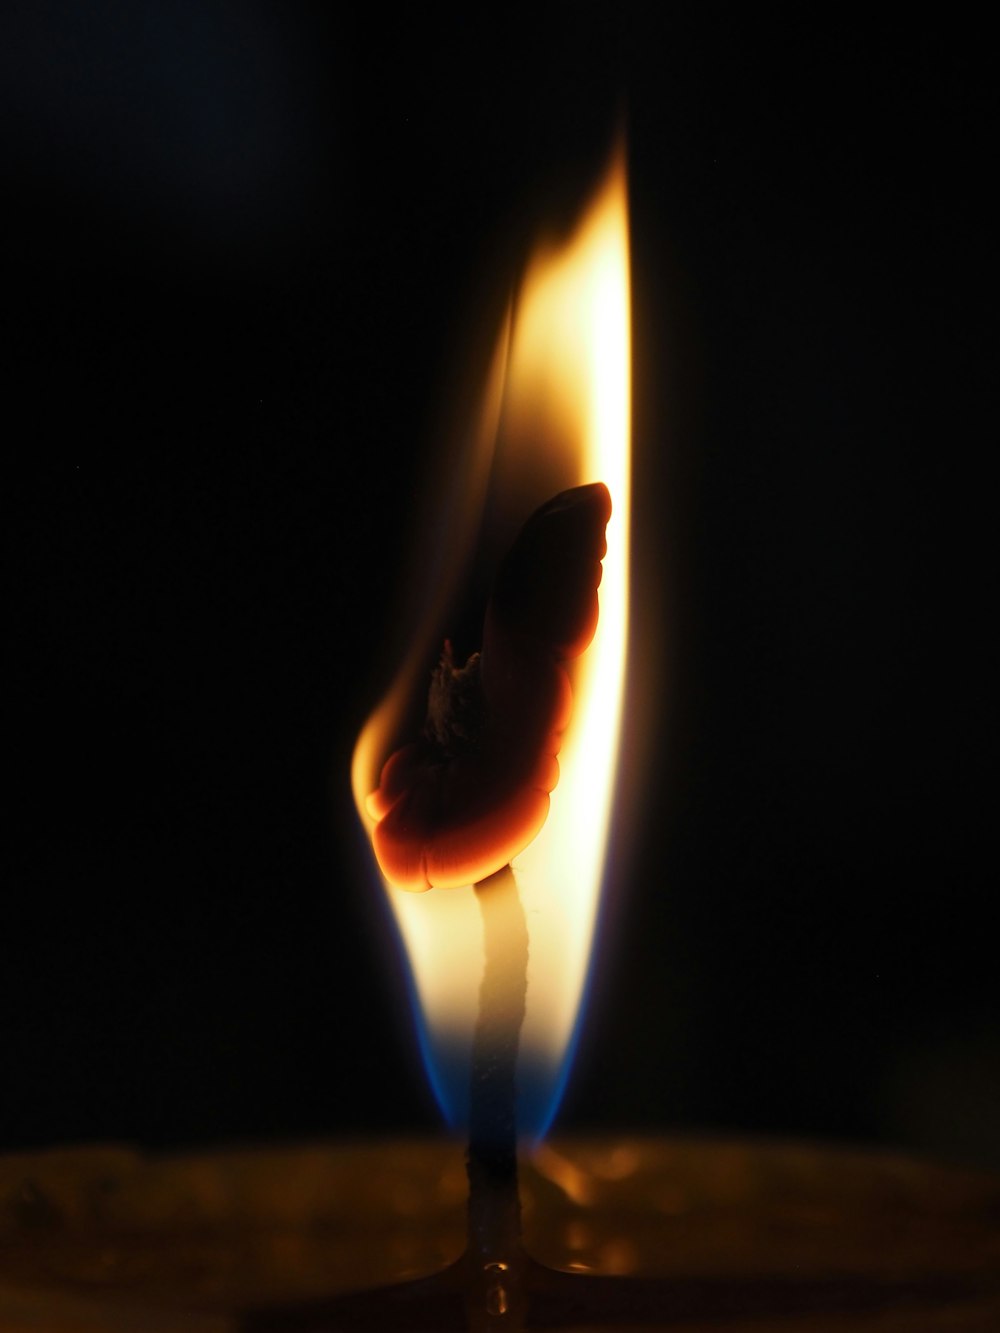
{"x": 555, "y": 414}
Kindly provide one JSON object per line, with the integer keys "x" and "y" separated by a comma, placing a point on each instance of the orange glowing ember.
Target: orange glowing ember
{"x": 457, "y": 805}
{"x": 554, "y": 416}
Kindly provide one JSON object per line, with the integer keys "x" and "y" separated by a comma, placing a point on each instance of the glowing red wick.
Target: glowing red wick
{"x": 455, "y": 806}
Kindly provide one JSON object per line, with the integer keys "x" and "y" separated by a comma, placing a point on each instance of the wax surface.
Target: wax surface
{"x": 653, "y": 1233}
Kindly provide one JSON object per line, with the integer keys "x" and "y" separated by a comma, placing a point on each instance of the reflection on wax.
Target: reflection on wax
{"x": 455, "y": 806}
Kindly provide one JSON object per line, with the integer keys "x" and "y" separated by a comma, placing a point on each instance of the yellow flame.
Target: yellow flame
{"x": 555, "y": 413}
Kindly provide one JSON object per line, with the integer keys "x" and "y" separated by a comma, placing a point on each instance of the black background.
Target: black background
{"x": 247, "y": 246}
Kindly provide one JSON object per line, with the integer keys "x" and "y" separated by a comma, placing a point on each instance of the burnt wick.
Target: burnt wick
{"x": 456, "y": 708}
{"x": 455, "y": 805}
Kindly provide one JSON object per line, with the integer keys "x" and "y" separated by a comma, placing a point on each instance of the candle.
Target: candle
{"x": 465, "y": 810}
{"x": 37, "y": 1221}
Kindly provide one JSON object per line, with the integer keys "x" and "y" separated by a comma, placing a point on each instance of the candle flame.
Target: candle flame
{"x": 555, "y": 413}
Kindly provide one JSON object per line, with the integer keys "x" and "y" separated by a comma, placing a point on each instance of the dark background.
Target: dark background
{"x": 247, "y": 243}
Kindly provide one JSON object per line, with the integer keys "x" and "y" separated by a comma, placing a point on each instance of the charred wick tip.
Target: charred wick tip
{"x": 456, "y": 710}
{"x": 473, "y": 791}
